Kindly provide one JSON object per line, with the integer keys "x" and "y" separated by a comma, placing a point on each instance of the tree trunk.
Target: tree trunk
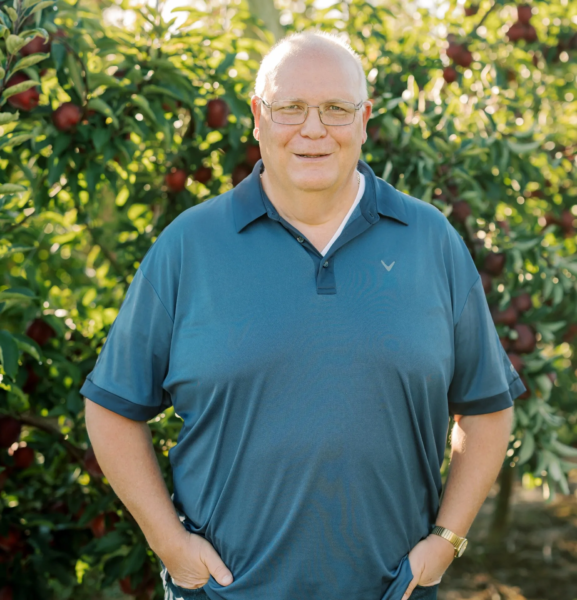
{"x": 501, "y": 512}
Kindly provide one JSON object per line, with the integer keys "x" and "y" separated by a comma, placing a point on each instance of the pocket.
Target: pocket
{"x": 183, "y": 593}
{"x": 402, "y": 577}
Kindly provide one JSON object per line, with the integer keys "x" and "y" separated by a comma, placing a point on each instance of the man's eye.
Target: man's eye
{"x": 336, "y": 107}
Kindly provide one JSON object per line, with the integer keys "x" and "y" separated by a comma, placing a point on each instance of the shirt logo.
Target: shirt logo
{"x": 388, "y": 267}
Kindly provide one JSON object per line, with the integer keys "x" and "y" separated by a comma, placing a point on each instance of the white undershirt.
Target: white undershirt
{"x": 347, "y": 216}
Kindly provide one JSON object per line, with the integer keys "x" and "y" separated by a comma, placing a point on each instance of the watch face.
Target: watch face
{"x": 462, "y": 548}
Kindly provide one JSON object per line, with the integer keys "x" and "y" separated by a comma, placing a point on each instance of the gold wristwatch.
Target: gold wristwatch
{"x": 460, "y": 543}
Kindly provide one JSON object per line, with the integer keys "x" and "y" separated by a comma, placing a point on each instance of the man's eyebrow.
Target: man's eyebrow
{"x": 303, "y": 100}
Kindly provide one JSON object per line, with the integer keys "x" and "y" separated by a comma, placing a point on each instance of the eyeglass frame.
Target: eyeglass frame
{"x": 356, "y": 107}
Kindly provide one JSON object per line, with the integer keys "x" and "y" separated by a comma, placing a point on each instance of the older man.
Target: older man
{"x": 315, "y": 329}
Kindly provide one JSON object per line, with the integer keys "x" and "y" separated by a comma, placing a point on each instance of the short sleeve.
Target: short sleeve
{"x": 132, "y": 365}
{"x": 484, "y": 380}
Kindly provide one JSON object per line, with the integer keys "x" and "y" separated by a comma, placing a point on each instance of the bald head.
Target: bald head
{"x": 284, "y": 56}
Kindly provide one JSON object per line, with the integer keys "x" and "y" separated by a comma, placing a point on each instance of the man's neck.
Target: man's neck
{"x": 312, "y": 210}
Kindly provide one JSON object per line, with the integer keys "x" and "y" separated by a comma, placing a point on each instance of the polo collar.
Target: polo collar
{"x": 250, "y": 202}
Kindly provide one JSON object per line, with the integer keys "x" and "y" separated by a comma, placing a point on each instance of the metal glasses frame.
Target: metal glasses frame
{"x": 356, "y": 106}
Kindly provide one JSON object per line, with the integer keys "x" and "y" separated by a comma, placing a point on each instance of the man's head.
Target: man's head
{"x": 312, "y": 66}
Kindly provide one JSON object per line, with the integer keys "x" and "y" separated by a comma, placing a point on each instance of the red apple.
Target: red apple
{"x": 35, "y": 46}
{"x": 449, "y": 74}
{"x": 516, "y": 361}
{"x": 530, "y": 34}
{"x": 508, "y": 316}
{"x": 487, "y": 281}
{"x": 566, "y": 221}
{"x": 39, "y": 331}
{"x": 176, "y": 179}
{"x": 461, "y": 210}
{"x": 91, "y": 463}
{"x": 526, "y": 340}
{"x": 570, "y": 334}
{"x": 495, "y": 263}
{"x": 202, "y": 174}
{"x": 523, "y": 302}
{"x": 252, "y": 155}
{"x": 524, "y": 13}
{"x": 98, "y": 526}
{"x": 239, "y": 173}
{"x": 6, "y": 593}
{"x": 66, "y": 116}
{"x": 516, "y": 32}
{"x": 27, "y": 100}
{"x": 454, "y": 50}
{"x": 31, "y": 381}
{"x": 465, "y": 58}
{"x": 471, "y": 10}
{"x": 10, "y": 429}
{"x": 11, "y": 541}
{"x": 23, "y": 457}
{"x": 217, "y": 112}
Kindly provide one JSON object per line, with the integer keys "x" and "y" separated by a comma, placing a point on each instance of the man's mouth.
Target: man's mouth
{"x": 312, "y": 155}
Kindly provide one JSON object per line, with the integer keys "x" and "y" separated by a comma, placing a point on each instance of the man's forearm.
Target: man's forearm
{"x": 125, "y": 454}
{"x": 478, "y": 447}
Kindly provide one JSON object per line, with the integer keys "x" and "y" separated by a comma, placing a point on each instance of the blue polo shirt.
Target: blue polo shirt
{"x": 315, "y": 392}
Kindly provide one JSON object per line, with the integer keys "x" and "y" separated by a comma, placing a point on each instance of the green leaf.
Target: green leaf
{"x": 2, "y": 73}
{"x": 19, "y": 87}
{"x": 75, "y": 74}
{"x": 40, "y": 6}
{"x": 12, "y": 13}
{"x": 143, "y": 104}
{"x": 14, "y": 43}
{"x": 25, "y": 344}
{"x": 15, "y": 140}
{"x": 97, "y": 79}
{"x": 16, "y": 293}
{"x": 527, "y": 448}
{"x": 563, "y": 450}
{"x": 37, "y": 31}
{"x": 100, "y": 106}
{"x": 9, "y": 353}
{"x": 11, "y": 188}
{"x": 519, "y": 148}
{"x": 11, "y": 117}
{"x": 28, "y": 61}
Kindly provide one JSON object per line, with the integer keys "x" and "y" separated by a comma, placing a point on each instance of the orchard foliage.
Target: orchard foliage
{"x": 108, "y": 132}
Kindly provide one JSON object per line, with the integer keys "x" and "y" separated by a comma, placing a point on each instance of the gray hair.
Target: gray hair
{"x": 297, "y": 41}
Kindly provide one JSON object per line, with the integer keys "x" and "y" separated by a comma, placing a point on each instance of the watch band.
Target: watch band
{"x": 459, "y": 543}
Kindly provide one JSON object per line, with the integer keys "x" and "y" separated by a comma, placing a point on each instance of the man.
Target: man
{"x": 315, "y": 331}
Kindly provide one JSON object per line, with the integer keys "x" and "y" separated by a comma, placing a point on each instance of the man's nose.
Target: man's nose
{"x": 311, "y": 120}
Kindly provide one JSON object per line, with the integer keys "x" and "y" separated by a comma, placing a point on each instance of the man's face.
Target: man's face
{"x": 313, "y": 77}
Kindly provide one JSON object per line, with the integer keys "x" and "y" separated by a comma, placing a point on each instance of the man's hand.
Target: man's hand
{"x": 192, "y": 560}
{"x": 429, "y": 560}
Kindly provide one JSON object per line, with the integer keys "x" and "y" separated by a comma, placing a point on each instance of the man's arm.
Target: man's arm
{"x": 478, "y": 448}
{"x": 125, "y": 453}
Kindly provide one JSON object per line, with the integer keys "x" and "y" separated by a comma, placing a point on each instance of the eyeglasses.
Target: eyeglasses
{"x": 289, "y": 112}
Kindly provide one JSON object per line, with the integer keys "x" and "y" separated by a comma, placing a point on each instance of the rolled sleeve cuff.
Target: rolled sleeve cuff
{"x": 491, "y": 404}
{"x": 121, "y": 406}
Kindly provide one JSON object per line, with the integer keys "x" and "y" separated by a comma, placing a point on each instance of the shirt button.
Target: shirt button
{"x": 326, "y": 263}
{"x": 300, "y": 239}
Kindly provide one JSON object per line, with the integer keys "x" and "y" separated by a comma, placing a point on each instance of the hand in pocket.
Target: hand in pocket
{"x": 192, "y": 560}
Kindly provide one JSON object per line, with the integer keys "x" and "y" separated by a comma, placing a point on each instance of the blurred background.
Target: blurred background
{"x": 117, "y": 116}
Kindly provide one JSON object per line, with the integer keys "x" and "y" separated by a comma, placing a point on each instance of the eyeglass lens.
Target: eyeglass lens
{"x": 331, "y": 113}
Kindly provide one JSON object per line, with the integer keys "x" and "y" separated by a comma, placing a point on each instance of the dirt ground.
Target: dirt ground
{"x": 538, "y": 560}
